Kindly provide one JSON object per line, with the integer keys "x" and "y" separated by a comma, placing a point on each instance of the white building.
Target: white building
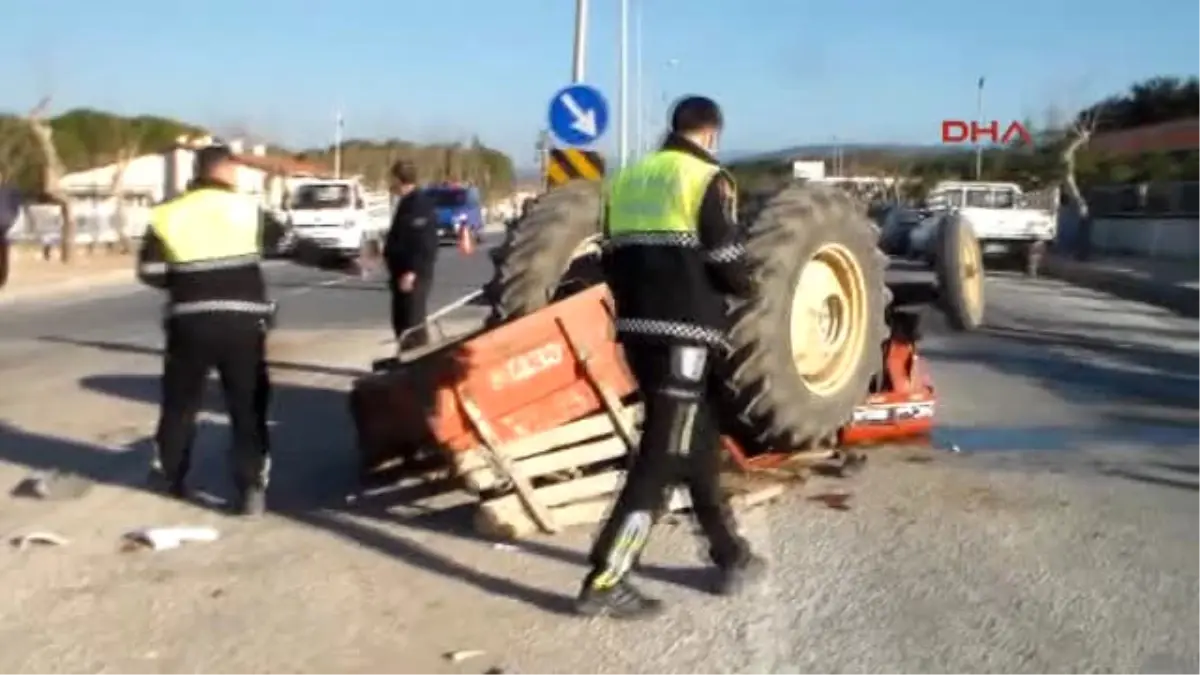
{"x": 95, "y": 194}
{"x": 156, "y": 177}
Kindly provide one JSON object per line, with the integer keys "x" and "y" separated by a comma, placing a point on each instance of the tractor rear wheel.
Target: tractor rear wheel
{"x": 552, "y": 251}
{"x": 960, "y": 275}
{"x": 805, "y": 349}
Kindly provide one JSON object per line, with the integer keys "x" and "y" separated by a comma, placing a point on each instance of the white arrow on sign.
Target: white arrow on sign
{"x": 585, "y": 120}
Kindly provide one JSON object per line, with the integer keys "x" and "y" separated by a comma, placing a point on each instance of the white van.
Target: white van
{"x": 330, "y": 215}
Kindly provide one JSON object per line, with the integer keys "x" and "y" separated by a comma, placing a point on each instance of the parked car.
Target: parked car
{"x": 458, "y": 207}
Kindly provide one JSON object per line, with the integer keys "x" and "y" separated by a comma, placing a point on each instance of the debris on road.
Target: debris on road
{"x": 24, "y": 541}
{"x": 838, "y": 501}
{"x": 463, "y": 655}
{"x": 167, "y": 538}
{"x": 53, "y": 486}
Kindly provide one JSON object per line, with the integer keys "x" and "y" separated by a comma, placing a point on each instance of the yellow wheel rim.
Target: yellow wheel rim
{"x": 829, "y": 320}
{"x": 971, "y": 272}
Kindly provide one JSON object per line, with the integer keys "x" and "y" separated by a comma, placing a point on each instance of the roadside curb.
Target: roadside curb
{"x": 50, "y": 290}
{"x": 1175, "y": 298}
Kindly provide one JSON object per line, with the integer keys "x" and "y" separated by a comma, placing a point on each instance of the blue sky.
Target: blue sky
{"x": 786, "y": 71}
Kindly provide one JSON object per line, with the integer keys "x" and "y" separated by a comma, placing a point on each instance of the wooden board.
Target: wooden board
{"x": 574, "y": 474}
{"x": 505, "y": 518}
{"x": 577, "y": 445}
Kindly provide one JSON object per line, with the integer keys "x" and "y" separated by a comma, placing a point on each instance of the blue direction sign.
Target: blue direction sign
{"x": 578, "y": 115}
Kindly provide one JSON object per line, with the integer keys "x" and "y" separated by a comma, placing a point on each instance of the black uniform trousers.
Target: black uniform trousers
{"x": 5, "y": 252}
{"x": 409, "y": 311}
{"x": 234, "y": 345}
{"x": 680, "y": 443}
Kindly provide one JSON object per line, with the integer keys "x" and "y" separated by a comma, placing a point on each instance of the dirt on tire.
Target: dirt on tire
{"x": 777, "y": 407}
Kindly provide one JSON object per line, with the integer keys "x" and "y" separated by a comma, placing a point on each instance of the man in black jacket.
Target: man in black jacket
{"x": 673, "y": 253}
{"x": 410, "y": 251}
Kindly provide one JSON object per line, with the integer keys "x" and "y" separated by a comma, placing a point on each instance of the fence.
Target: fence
{"x": 1159, "y": 221}
{"x": 1158, "y": 200}
{"x": 42, "y": 224}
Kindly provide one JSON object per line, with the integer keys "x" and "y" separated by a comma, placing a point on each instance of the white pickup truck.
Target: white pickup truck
{"x": 331, "y": 216}
{"x": 1001, "y": 215}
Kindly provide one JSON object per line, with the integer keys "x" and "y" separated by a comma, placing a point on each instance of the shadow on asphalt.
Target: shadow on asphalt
{"x": 1149, "y": 395}
{"x": 315, "y": 469}
{"x": 1076, "y": 365}
{"x": 42, "y": 453}
{"x": 125, "y": 348}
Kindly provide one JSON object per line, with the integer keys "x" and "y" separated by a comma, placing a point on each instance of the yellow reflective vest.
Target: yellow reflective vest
{"x": 208, "y": 242}
{"x": 660, "y": 194}
{"x": 206, "y": 224}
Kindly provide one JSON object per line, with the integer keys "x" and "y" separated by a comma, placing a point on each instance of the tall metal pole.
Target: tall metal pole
{"x": 580, "y": 54}
{"x": 337, "y": 146}
{"x": 623, "y": 138}
{"x": 639, "y": 134}
{"x": 979, "y": 117}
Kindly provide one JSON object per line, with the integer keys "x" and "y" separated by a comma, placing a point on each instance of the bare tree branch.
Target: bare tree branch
{"x": 1077, "y": 138}
{"x": 52, "y": 174}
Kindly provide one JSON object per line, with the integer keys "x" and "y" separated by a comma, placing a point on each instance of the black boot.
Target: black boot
{"x": 251, "y": 502}
{"x": 747, "y": 571}
{"x": 620, "y": 601}
{"x": 159, "y": 481}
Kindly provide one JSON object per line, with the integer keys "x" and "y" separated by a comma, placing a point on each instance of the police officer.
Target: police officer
{"x": 672, "y": 255}
{"x": 10, "y": 212}
{"x": 203, "y": 248}
{"x": 410, "y": 252}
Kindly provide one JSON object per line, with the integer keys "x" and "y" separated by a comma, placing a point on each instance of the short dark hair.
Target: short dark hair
{"x": 210, "y": 157}
{"x": 696, "y": 113}
{"x": 404, "y": 172}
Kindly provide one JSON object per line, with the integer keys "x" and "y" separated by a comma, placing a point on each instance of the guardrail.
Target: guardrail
{"x": 1157, "y": 221}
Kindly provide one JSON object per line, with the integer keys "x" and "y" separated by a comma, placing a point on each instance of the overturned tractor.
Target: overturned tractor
{"x": 537, "y": 414}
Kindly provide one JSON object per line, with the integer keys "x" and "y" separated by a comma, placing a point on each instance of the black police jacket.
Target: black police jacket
{"x": 412, "y": 240}
{"x": 678, "y": 294}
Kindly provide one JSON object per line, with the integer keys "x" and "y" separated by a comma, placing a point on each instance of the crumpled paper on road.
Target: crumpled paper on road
{"x": 53, "y": 486}
{"x": 167, "y": 538}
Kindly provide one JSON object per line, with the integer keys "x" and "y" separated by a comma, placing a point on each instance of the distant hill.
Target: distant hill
{"x": 477, "y": 163}
{"x": 86, "y": 138}
{"x": 828, "y": 151}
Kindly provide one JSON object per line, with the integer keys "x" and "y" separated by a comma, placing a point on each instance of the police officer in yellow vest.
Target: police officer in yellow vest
{"x": 673, "y": 254}
{"x": 203, "y": 249}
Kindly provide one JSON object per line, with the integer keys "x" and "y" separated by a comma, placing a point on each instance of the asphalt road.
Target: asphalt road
{"x": 1061, "y": 536}
{"x": 309, "y": 299}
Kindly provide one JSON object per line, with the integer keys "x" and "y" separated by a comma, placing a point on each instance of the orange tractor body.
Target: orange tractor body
{"x": 561, "y": 364}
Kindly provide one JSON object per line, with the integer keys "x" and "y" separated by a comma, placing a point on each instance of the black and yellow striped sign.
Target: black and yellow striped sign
{"x": 565, "y": 164}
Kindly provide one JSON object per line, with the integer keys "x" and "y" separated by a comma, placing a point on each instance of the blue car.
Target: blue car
{"x": 458, "y": 207}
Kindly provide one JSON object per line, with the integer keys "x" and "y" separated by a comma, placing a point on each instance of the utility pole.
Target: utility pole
{"x": 623, "y": 138}
{"x": 639, "y": 133}
{"x": 579, "y": 59}
{"x": 979, "y": 117}
{"x": 337, "y": 146}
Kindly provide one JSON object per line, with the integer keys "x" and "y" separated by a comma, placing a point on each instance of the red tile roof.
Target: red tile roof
{"x": 287, "y": 166}
{"x": 1162, "y": 137}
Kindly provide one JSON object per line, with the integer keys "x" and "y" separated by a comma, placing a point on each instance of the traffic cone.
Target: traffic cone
{"x": 466, "y": 242}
